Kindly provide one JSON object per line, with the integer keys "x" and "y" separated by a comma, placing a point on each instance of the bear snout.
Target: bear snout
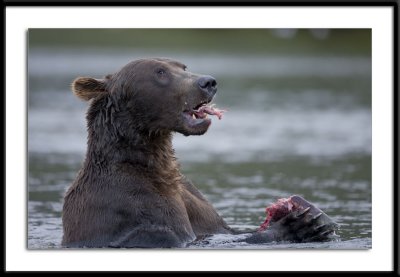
{"x": 208, "y": 85}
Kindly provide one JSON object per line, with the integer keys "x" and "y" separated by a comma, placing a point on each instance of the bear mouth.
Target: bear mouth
{"x": 201, "y": 111}
{"x": 196, "y": 118}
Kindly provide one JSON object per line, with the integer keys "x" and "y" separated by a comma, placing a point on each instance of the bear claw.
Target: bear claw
{"x": 303, "y": 212}
{"x": 317, "y": 216}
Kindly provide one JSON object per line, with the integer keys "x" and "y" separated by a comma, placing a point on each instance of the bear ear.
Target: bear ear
{"x": 87, "y": 88}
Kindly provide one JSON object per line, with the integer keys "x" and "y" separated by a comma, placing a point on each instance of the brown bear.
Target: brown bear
{"x": 129, "y": 191}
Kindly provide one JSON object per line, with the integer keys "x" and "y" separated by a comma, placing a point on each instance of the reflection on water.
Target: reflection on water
{"x": 295, "y": 125}
{"x": 48, "y": 62}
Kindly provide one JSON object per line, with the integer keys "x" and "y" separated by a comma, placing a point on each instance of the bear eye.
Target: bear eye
{"x": 161, "y": 72}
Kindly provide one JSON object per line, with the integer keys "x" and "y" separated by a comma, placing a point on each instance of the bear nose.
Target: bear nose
{"x": 207, "y": 84}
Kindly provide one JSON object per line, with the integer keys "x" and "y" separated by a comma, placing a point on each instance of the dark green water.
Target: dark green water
{"x": 295, "y": 125}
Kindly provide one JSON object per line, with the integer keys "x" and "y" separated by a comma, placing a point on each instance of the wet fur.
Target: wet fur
{"x": 129, "y": 191}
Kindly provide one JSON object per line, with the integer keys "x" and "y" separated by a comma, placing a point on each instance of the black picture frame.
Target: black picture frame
{"x": 392, "y": 4}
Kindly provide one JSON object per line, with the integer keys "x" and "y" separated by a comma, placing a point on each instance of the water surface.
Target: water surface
{"x": 295, "y": 125}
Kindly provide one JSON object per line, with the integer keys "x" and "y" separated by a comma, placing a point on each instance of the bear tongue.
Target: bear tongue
{"x": 209, "y": 110}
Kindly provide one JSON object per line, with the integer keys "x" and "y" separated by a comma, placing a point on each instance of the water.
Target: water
{"x": 295, "y": 125}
